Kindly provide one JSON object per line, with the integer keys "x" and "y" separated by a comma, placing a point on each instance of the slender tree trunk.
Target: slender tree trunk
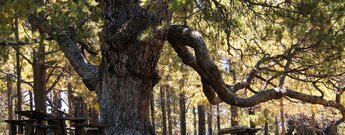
{"x": 79, "y": 112}
{"x": 31, "y": 101}
{"x": 174, "y": 118}
{"x": 169, "y": 104}
{"x": 276, "y": 125}
{"x": 201, "y": 116}
{"x": 209, "y": 120}
{"x": 93, "y": 115}
{"x": 194, "y": 121}
{"x": 164, "y": 125}
{"x": 56, "y": 102}
{"x": 218, "y": 118}
{"x": 282, "y": 117}
{"x": 9, "y": 101}
{"x": 70, "y": 103}
{"x": 313, "y": 123}
{"x": 127, "y": 72}
{"x": 70, "y": 99}
{"x": 18, "y": 68}
{"x": 152, "y": 105}
{"x": 234, "y": 116}
{"x": 182, "y": 114}
{"x": 266, "y": 122}
{"x": 251, "y": 112}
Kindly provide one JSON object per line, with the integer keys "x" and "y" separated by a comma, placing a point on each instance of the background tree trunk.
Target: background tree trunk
{"x": 70, "y": 99}
{"x": 234, "y": 116}
{"x": 70, "y": 103}
{"x": 169, "y": 104}
{"x": 282, "y": 117}
{"x": 194, "y": 121}
{"x": 313, "y": 123}
{"x": 19, "y": 73}
{"x": 39, "y": 69}
{"x": 9, "y": 101}
{"x": 266, "y": 122}
{"x": 251, "y": 111}
{"x": 152, "y": 105}
{"x": 164, "y": 125}
{"x": 182, "y": 114}
{"x": 209, "y": 120}
{"x": 218, "y": 118}
{"x": 201, "y": 116}
{"x": 276, "y": 132}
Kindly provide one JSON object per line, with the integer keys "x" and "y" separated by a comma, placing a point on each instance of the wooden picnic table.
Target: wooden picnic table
{"x": 33, "y": 114}
{"x": 37, "y": 120}
{"x": 239, "y": 130}
{"x": 27, "y": 123}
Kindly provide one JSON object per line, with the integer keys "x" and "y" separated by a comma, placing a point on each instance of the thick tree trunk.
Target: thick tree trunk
{"x": 127, "y": 72}
{"x": 209, "y": 120}
{"x": 201, "y": 116}
{"x": 163, "y": 107}
{"x": 182, "y": 114}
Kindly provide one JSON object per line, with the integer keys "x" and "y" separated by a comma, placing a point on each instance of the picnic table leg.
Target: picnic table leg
{"x": 13, "y": 130}
{"x": 78, "y": 130}
{"x": 28, "y": 129}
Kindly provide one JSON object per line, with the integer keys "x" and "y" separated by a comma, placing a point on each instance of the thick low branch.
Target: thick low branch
{"x": 182, "y": 36}
{"x": 87, "y": 71}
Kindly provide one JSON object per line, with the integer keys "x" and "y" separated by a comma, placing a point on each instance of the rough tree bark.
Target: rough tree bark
{"x": 163, "y": 107}
{"x": 127, "y": 73}
{"x": 201, "y": 118}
